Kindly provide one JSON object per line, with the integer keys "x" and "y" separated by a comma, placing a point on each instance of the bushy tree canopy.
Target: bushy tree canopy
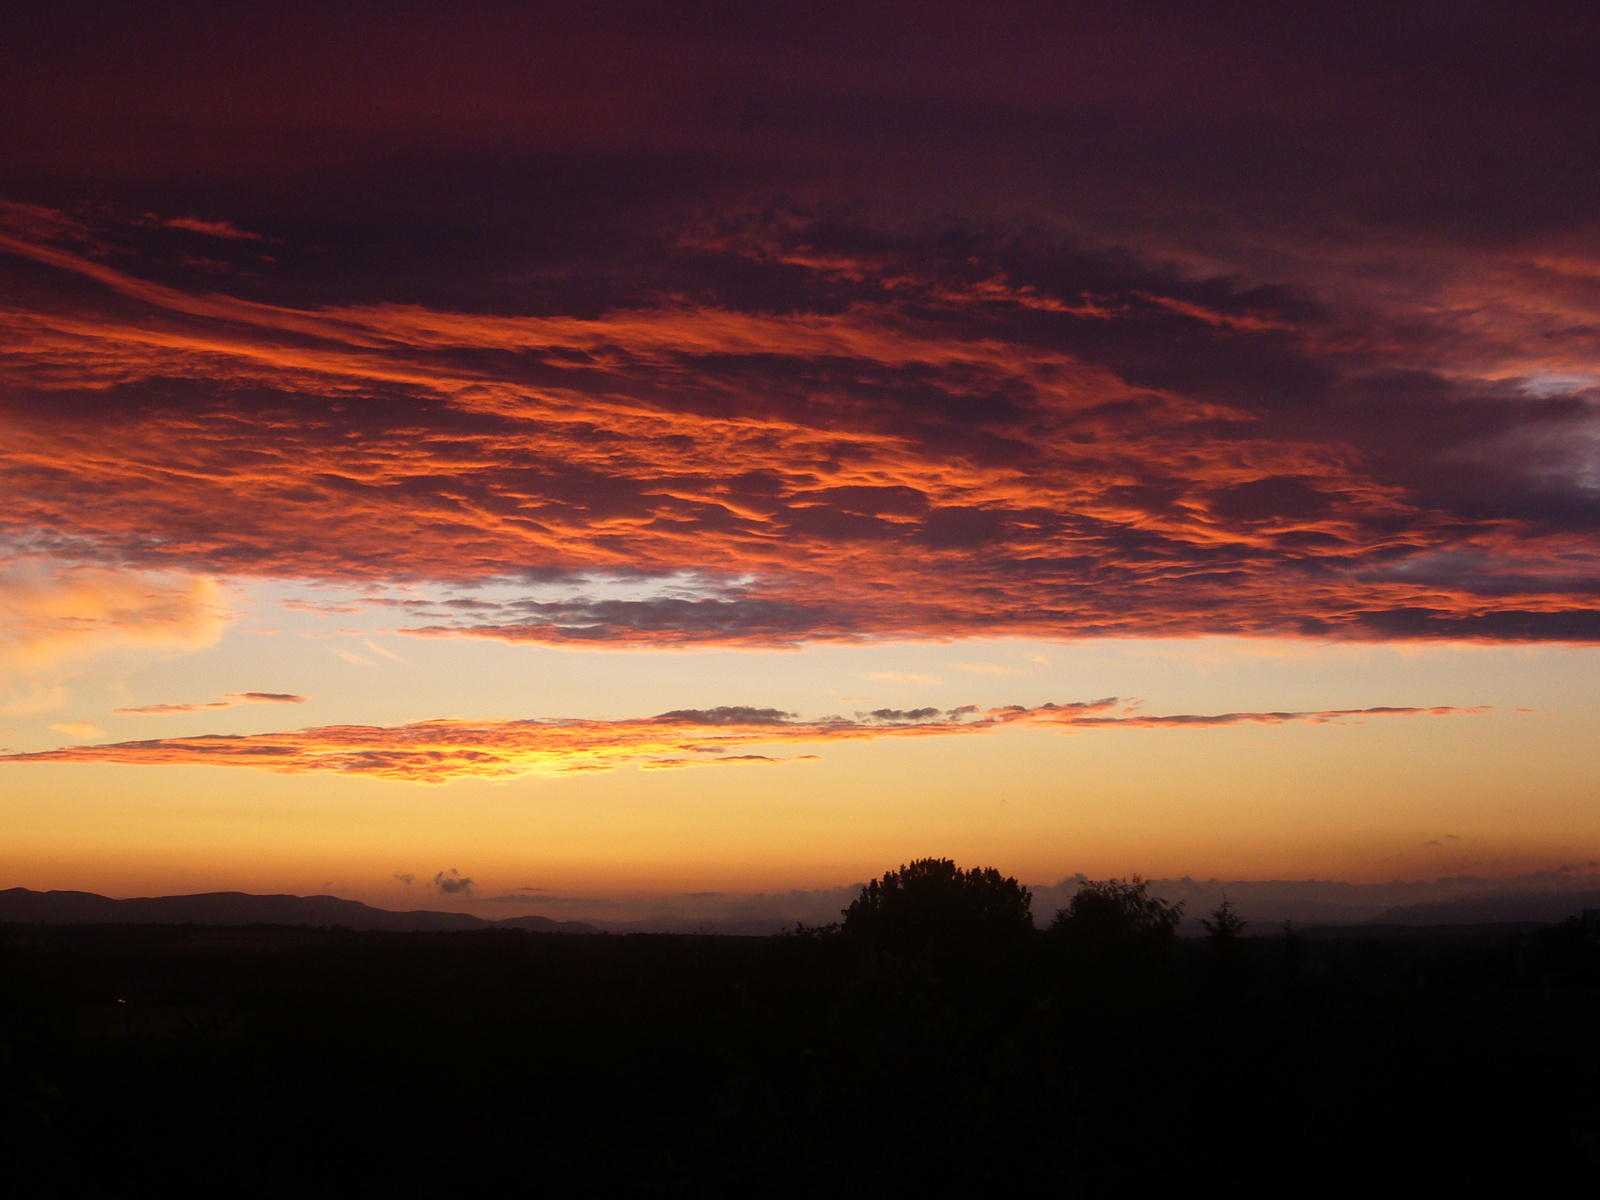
{"x": 934, "y": 903}
{"x": 1117, "y": 910}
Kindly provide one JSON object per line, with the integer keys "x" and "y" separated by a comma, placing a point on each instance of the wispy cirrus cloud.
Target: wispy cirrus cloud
{"x": 442, "y": 750}
{"x": 231, "y": 700}
{"x": 216, "y": 229}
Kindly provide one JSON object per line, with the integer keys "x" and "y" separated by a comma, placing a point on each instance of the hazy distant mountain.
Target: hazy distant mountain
{"x": 1545, "y": 896}
{"x": 23, "y": 906}
{"x": 1498, "y": 909}
{"x": 729, "y": 927}
{"x": 539, "y": 924}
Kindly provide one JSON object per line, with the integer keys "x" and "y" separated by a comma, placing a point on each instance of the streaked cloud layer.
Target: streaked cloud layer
{"x": 486, "y": 361}
{"x": 1150, "y": 327}
{"x": 939, "y": 457}
{"x": 439, "y": 751}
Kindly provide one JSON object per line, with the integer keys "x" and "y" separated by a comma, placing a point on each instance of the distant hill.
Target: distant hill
{"x": 1543, "y": 897}
{"x": 724, "y": 927}
{"x": 1265, "y": 904}
{"x": 22, "y": 906}
{"x": 1494, "y": 909}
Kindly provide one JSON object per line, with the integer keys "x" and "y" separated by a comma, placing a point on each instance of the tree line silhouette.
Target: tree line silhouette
{"x": 935, "y": 1038}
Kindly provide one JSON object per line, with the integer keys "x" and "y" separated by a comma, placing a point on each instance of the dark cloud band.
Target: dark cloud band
{"x": 1151, "y": 325}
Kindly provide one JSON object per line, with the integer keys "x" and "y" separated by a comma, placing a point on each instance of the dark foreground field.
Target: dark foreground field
{"x": 274, "y": 1061}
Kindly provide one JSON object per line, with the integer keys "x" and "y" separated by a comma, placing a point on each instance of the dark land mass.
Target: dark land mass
{"x": 20, "y": 905}
{"x": 1525, "y": 905}
{"x": 264, "y": 1059}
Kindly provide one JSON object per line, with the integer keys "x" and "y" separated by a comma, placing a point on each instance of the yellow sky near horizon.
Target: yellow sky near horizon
{"x": 1362, "y": 799}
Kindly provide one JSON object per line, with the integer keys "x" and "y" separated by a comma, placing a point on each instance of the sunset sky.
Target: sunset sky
{"x": 1072, "y": 438}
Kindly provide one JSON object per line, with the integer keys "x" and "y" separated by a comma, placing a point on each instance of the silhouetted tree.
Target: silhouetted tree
{"x": 934, "y": 903}
{"x": 1225, "y": 930}
{"x": 1224, "y": 925}
{"x": 1117, "y": 910}
{"x": 1116, "y": 924}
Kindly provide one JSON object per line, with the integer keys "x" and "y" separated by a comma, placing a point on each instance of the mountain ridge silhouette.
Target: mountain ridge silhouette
{"x": 25, "y": 906}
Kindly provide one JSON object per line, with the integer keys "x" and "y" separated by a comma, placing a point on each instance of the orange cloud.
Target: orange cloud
{"x": 439, "y": 751}
{"x": 54, "y": 617}
{"x": 51, "y": 612}
{"x": 921, "y": 462}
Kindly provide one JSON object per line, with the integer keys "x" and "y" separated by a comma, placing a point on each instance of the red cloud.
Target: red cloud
{"x": 439, "y": 751}
{"x": 921, "y": 462}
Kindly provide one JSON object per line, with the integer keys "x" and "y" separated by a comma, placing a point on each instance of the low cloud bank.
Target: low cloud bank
{"x": 439, "y": 751}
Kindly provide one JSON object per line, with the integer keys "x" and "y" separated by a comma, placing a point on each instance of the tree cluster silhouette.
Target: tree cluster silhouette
{"x": 932, "y": 904}
{"x": 932, "y": 1040}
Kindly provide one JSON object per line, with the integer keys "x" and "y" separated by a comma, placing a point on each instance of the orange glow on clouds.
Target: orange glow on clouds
{"x": 54, "y": 617}
{"x": 1185, "y": 357}
{"x": 442, "y": 750}
{"x": 1014, "y": 488}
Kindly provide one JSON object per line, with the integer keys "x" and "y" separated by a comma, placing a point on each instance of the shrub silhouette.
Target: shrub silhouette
{"x": 932, "y": 903}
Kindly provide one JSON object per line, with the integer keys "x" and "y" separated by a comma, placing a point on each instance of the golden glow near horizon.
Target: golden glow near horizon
{"x": 403, "y": 480}
{"x": 1353, "y": 796}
